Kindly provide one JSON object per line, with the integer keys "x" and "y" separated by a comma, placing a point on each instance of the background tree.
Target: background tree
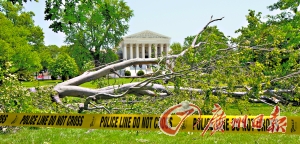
{"x": 81, "y": 55}
{"x": 89, "y": 24}
{"x": 19, "y": 40}
{"x": 274, "y": 43}
{"x": 176, "y": 48}
{"x": 47, "y": 54}
{"x": 64, "y": 66}
{"x": 19, "y": 18}
{"x": 95, "y": 25}
{"x": 285, "y": 5}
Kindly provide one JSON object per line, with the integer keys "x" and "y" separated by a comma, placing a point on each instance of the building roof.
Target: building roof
{"x": 147, "y": 34}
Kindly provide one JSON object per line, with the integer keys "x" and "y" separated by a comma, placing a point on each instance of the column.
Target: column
{"x": 137, "y": 55}
{"x": 149, "y": 51}
{"x": 125, "y": 52}
{"x": 161, "y": 49}
{"x": 149, "y": 54}
{"x": 131, "y": 51}
{"x": 143, "y": 51}
{"x": 167, "y": 48}
{"x": 155, "y": 50}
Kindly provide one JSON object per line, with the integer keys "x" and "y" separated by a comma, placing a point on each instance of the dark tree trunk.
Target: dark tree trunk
{"x": 63, "y": 78}
{"x": 96, "y": 57}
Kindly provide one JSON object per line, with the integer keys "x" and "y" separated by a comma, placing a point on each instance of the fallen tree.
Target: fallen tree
{"x": 215, "y": 72}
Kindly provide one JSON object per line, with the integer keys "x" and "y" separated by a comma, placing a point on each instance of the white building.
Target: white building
{"x": 138, "y": 45}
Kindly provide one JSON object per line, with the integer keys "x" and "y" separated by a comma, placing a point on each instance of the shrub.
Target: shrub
{"x": 140, "y": 73}
{"x": 25, "y": 76}
{"x": 18, "y": 99}
{"x": 127, "y": 73}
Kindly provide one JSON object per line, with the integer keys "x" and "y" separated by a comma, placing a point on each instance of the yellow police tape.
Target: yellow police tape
{"x": 134, "y": 122}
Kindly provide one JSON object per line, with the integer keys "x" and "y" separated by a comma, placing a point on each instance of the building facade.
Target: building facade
{"x": 145, "y": 44}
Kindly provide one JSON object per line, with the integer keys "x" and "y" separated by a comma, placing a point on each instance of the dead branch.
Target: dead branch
{"x": 195, "y": 39}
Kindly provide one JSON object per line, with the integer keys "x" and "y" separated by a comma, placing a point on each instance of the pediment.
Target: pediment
{"x": 147, "y": 34}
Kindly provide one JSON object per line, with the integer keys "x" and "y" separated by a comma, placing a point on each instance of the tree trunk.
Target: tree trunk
{"x": 96, "y": 57}
{"x": 63, "y": 78}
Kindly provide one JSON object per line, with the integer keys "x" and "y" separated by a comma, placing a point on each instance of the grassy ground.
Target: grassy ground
{"x": 79, "y": 136}
{"x": 64, "y": 136}
{"x": 87, "y": 84}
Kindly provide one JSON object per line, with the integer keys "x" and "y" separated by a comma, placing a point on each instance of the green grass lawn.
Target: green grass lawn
{"x": 87, "y": 84}
{"x": 79, "y": 136}
{"x": 66, "y": 136}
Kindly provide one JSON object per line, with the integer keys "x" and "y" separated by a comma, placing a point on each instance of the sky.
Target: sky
{"x": 174, "y": 18}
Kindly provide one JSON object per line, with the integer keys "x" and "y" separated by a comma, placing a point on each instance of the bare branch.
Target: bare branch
{"x": 98, "y": 107}
{"x": 259, "y": 101}
{"x": 104, "y": 65}
{"x": 195, "y": 39}
{"x": 286, "y": 77}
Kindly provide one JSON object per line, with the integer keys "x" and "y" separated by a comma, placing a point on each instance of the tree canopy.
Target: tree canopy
{"x": 19, "y": 39}
{"x": 89, "y": 24}
{"x": 96, "y": 25}
{"x": 64, "y": 66}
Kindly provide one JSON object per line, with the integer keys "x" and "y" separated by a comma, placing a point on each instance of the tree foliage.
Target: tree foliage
{"x": 19, "y": 39}
{"x": 176, "y": 48}
{"x": 80, "y": 54}
{"x": 95, "y": 25}
{"x": 285, "y": 5}
{"x": 15, "y": 98}
{"x": 89, "y": 24}
{"x": 64, "y": 66}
